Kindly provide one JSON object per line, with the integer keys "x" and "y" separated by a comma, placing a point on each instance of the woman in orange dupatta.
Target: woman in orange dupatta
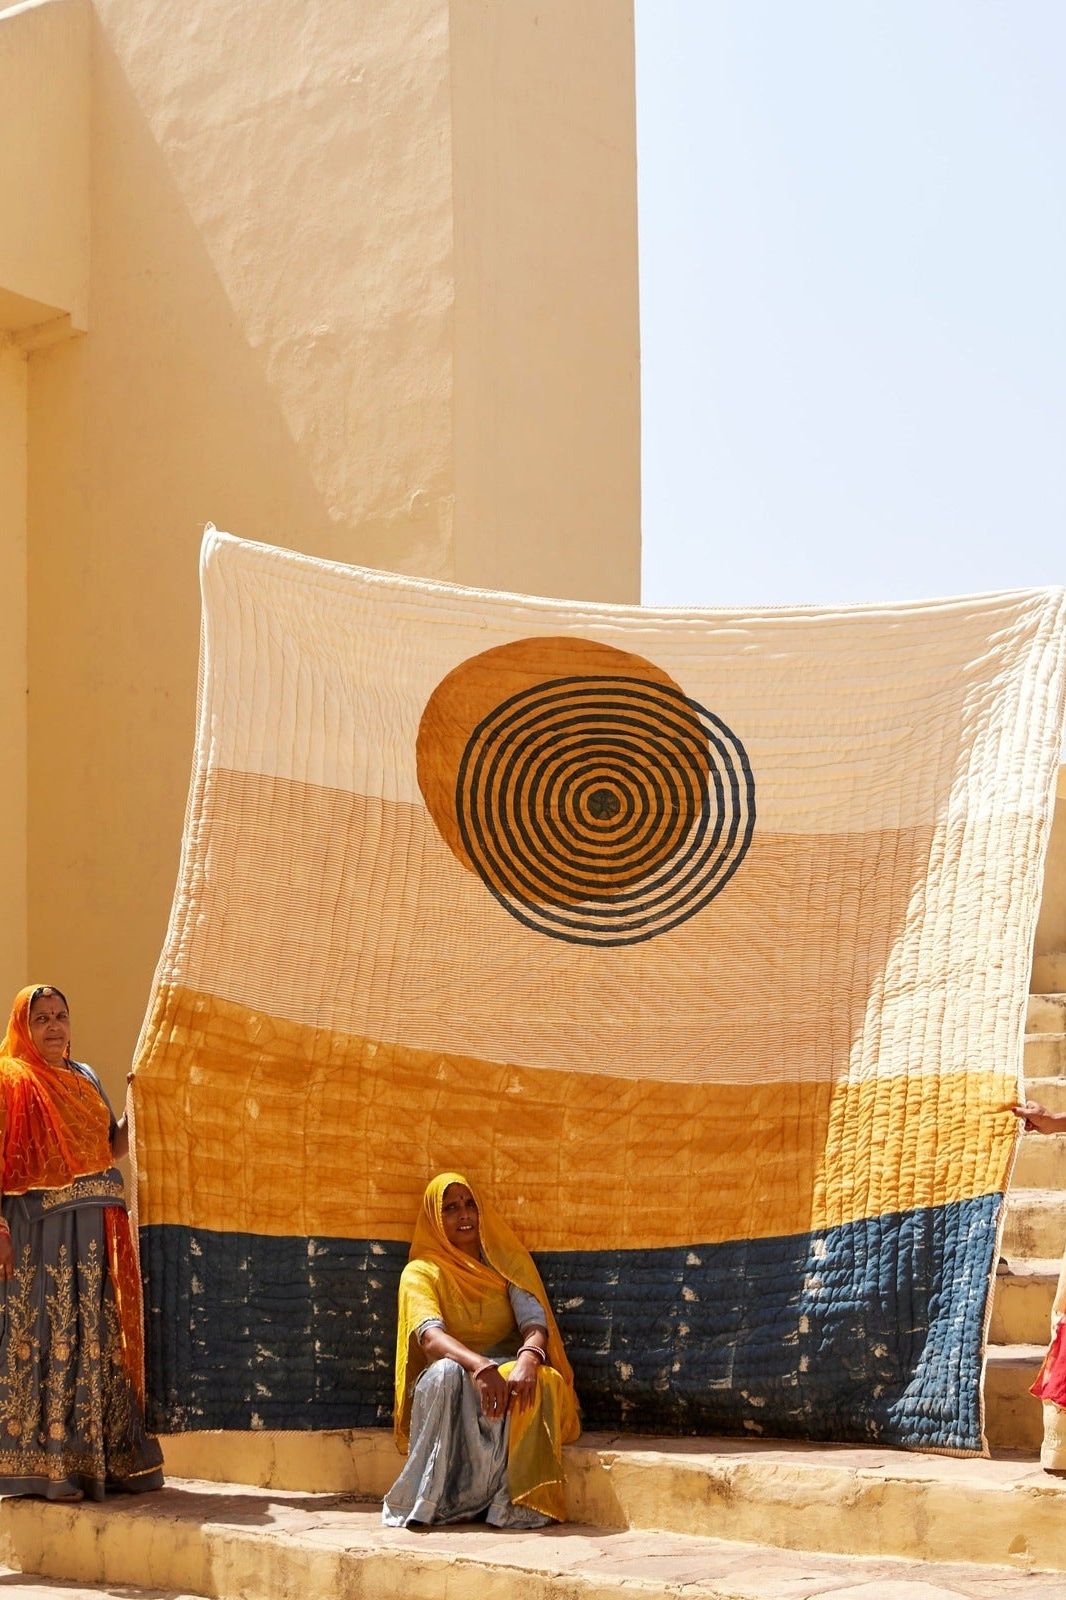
{"x": 71, "y": 1348}
{"x": 484, "y": 1393}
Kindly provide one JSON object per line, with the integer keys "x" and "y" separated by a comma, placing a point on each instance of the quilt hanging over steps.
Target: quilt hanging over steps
{"x": 700, "y": 940}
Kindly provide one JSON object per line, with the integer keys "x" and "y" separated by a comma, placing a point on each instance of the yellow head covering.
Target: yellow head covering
{"x": 440, "y": 1280}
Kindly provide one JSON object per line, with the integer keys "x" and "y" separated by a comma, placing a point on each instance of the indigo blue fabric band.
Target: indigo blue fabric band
{"x": 870, "y": 1332}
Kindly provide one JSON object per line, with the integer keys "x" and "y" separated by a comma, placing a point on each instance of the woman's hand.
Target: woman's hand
{"x": 522, "y": 1381}
{"x": 120, "y": 1140}
{"x": 484, "y": 1375}
{"x": 492, "y": 1392}
{"x": 1036, "y": 1118}
{"x": 7, "y": 1256}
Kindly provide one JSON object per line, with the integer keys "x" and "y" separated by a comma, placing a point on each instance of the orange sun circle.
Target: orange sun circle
{"x": 596, "y": 801}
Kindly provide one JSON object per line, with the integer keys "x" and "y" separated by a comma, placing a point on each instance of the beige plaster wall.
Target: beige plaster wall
{"x": 44, "y": 163}
{"x": 295, "y": 233}
{"x": 13, "y": 685}
{"x": 44, "y": 265}
{"x": 547, "y": 381}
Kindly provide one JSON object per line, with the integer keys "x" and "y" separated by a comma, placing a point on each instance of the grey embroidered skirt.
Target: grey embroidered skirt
{"x": 70, "y": 1417}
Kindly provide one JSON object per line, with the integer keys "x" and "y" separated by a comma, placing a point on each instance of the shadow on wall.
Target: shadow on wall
{"x": 177, "y": 409}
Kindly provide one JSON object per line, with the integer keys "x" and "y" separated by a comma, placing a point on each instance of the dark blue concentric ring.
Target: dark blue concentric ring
{"x": 682, "y": 825}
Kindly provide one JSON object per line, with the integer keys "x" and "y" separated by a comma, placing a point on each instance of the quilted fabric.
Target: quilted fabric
{"x": 699, "y": 940}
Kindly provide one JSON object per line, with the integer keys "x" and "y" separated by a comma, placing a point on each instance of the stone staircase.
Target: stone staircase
{"x": 709, "y": 1519}
{"x": 266, "y": 1517}
{"x": 1035, "y": 1231}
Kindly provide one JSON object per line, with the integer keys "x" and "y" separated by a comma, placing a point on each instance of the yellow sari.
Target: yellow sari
{"x": 470, "y": 1296}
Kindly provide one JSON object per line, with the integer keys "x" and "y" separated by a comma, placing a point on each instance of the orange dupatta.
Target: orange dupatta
{"x": 55, "y": 1128}
{"x": 55, "y": 1124}
{"x": 471, "y": 1297}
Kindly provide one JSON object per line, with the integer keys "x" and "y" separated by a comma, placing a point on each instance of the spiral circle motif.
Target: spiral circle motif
{"x": 603, "y": 809}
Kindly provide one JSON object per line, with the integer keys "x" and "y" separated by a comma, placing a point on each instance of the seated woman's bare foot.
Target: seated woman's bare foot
{"x": 71, "y": 1494}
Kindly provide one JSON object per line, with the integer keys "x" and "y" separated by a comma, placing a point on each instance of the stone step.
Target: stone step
{"x": 1046, "y": 1013}
{"x": 745, "y": 1572}
{"x": 1041, "y": 1162}
{"x": 364, "y": 1462}
{"x": 1014, "y": 1420}
{"x": 1021, "y": 1305}
{"x": 231, "y": 1544}
{"x": 830, "y": 1498}
{"x": 1051, "y": 1092}
{"x": 1035, "y": 1227}
{"x": 1045, "y": 1055}
{"x": 1049, "y": 973}
{"x": 32, "y": 1586}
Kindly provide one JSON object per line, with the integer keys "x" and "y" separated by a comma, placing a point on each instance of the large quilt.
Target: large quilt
{"x": 699, "y": 940}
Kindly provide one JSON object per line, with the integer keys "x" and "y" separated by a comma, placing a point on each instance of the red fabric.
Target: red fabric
{"x": 126, "y": 1282}
{"x": 1051, "y": 1379}
{"x": 56, "y": 1127}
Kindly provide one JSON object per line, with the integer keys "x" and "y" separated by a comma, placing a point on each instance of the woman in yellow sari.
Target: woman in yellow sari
{"x": 71, "y": 1420}
{"x": 484, "y": 1393}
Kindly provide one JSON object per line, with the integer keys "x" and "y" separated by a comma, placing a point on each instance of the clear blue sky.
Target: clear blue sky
{"x": 853, "y": 276}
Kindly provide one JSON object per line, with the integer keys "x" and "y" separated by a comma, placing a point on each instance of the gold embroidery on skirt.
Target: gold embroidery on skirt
{"x": 89, "y": 1417}
{"x": 82, "y": 1189}
{"x": 18, "y": 1412}
{"x": 93, "y": 1394}
{"x": 118, "y": 1399}
{"x": 62, "y": 1336}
